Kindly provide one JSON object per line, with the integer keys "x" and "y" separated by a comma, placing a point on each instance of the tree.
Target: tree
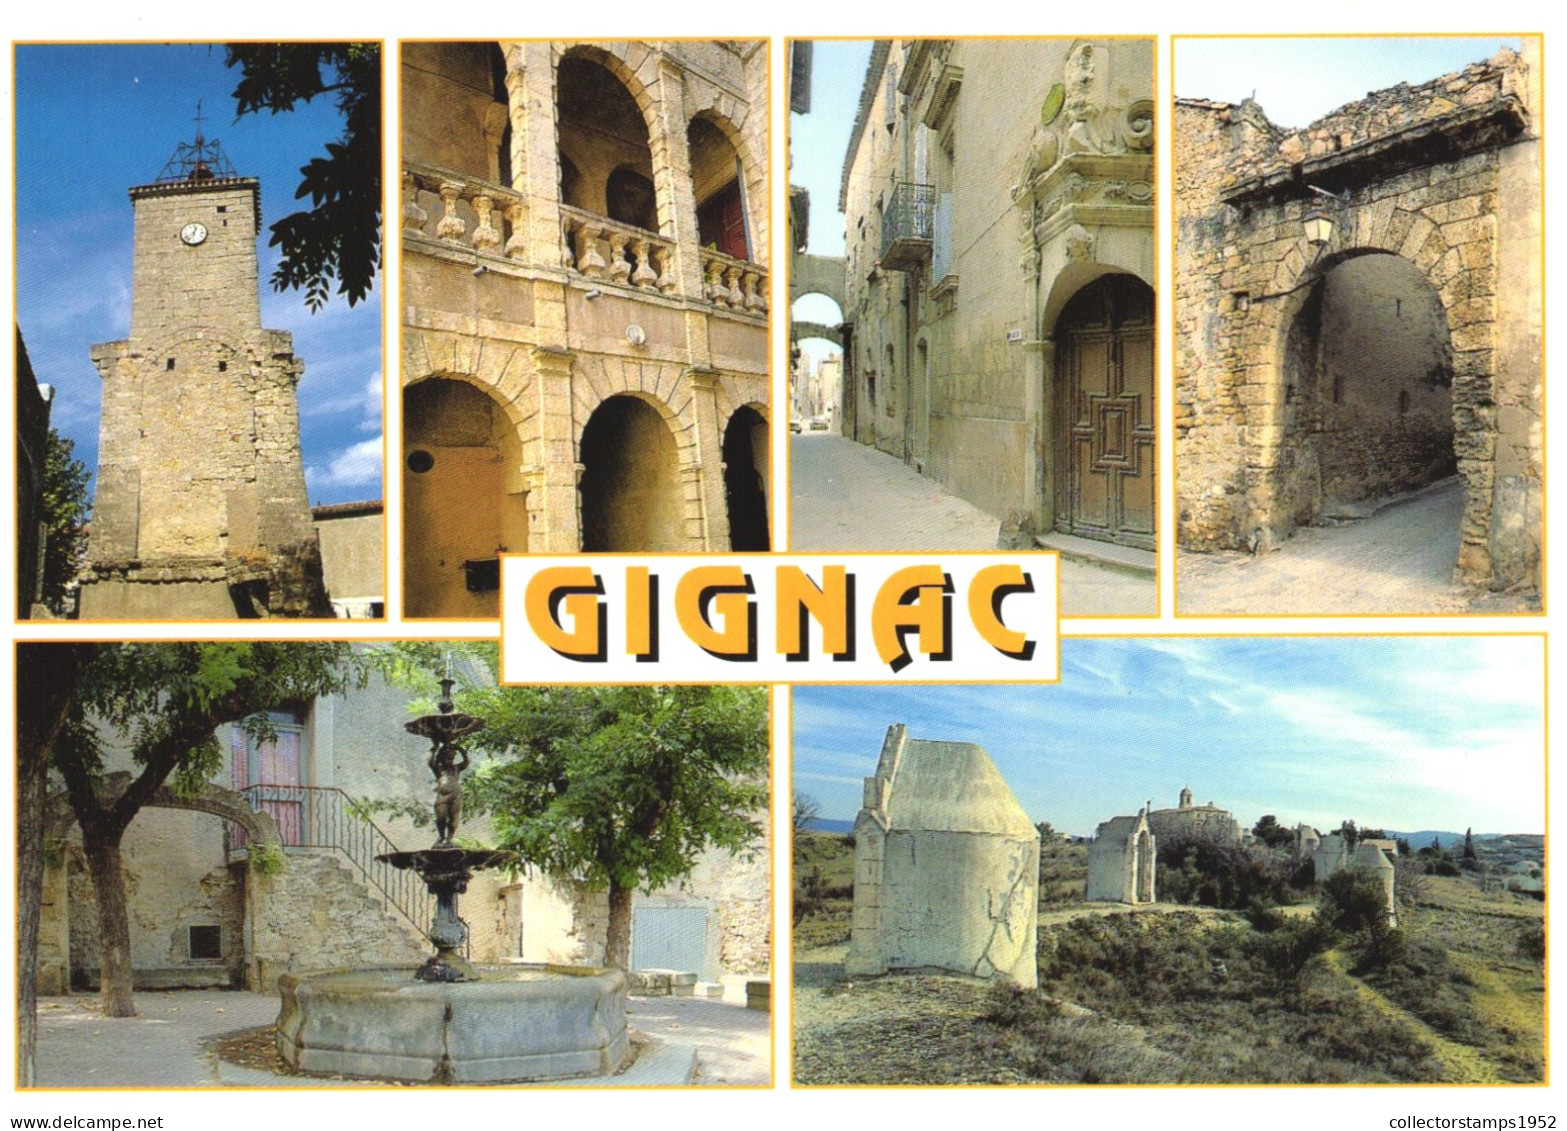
{"x": 804, "y": 810}
{"x": 1271, "y": 833}
{"x": 45, "y": 678}
{"x": 1469, "y": 844}
{"x": 1350, "y": 833}
{"x": 164, "y": 702}
{"x": 1047, "y": 833}
{"x": 619, "y": 788}
{"x": 66, "y": 503}
{"x": 339, "y": 236}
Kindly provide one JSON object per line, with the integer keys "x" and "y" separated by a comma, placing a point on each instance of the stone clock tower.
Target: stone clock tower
{"x": 201, "y": 510}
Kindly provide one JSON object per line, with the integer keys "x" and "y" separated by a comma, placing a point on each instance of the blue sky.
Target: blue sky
{"x": 817, "y": 143}
{"x": 1298, "y": 80}
{"x": 1401, "y": 732}
{"x": 91, "y": 121}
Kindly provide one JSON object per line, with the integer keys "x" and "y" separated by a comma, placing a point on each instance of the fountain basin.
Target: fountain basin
{"x": 519, "y": 1023}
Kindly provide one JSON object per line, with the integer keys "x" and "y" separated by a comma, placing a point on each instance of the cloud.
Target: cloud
{"x": 358, "y": 464}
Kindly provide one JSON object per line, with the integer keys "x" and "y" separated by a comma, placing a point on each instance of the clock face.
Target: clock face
{"x": 193, "y": 234}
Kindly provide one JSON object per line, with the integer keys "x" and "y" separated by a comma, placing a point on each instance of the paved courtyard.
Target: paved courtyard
{"x": 169, "y": 1043}
{"x": 848, "y": 497}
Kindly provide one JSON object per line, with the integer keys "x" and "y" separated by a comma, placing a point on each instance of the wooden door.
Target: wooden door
{"x": 274, "y": 771}
{"x": 1106, "y": 413}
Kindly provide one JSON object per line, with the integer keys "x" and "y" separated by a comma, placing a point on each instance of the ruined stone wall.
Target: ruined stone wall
{"x": 1420, "y": 173}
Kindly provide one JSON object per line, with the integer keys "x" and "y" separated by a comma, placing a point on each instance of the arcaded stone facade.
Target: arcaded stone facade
{"x": 1314, "y": 376}
{"x": 999, "y": 208}
{"x": 946, "y": 866}
{"x": 585, "y": 305}
{"x": 200, "y": 509}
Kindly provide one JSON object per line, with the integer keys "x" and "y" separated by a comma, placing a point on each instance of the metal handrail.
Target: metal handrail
{"x": 323, "y": 820}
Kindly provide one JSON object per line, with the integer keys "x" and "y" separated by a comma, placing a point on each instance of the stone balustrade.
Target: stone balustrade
{"x": 734, "y": 283}
{"x": 463, "y": 210}
{"x": 600, "y": 248}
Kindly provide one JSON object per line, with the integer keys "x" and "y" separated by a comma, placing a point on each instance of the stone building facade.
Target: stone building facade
{"x": 946, "y": 866}
{"x": 202, "y": 915}
{"x": 200, "y": 509}
{"x": 1315, "y": 372}
{"x": 999, "y": 204}
{"x": 32, "y": 448}
{"x": 585, "y": 232}
{"x": 1189, "y": 823}
{"x": 1123, "y": 861}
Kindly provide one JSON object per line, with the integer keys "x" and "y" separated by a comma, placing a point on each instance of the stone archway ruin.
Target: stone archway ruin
{"x": 1444, "y": 176}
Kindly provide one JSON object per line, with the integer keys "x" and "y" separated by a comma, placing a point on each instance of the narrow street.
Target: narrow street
{"x": 846, "y": 496}
{"x": 1397, "y": 561}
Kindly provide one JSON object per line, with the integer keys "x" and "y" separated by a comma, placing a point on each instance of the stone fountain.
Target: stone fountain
{"x": 448, "y": 1021}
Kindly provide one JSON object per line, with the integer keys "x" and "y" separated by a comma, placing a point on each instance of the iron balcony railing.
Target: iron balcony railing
{"x": 317, "y": 817}
{"x": 907, "y": 225}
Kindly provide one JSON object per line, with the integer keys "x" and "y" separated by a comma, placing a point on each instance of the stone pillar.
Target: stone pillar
{"x": 711, "y": 511}
{"x": 672, "y": 177}
{"x": 1039, "y": 374}
{"x": 550, "y": 459}
{"x": 530, "y": 97}
{"x": 1517, "y": 500}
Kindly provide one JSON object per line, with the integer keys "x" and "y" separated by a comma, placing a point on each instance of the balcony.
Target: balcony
{"x": 906, "y": 227}
{"x": 459, "y": 211}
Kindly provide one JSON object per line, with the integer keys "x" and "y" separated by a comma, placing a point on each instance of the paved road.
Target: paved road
{"x": 1399, "y": 560}
{"x": 850, "y": 497}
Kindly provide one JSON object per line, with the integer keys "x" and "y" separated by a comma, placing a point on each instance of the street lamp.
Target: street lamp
{"x": 1318, "y": 221}
{"x": 1319, "y": 226}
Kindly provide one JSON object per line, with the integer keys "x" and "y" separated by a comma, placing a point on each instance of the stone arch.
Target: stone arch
{"x": 753, "y": 179}
{"x": 800, "y": 329}
{"x": 631, "y": 492}
{"x": 210, "y": 798}
{"x": 647, "y": 103}
{"x": 664, "y": 387}
{"x": 1464, "y": 287}
{"x": 464, "y": 495}
{"x": 747, "y": 452}
{"x": 1066, "y": 283}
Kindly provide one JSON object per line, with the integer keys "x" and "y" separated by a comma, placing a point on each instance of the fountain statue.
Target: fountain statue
{"x": 449, "y": 1021}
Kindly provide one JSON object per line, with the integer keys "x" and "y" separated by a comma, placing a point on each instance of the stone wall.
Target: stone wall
{"x": 1418, "y": 172}
{"x": 317, "y": 915}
